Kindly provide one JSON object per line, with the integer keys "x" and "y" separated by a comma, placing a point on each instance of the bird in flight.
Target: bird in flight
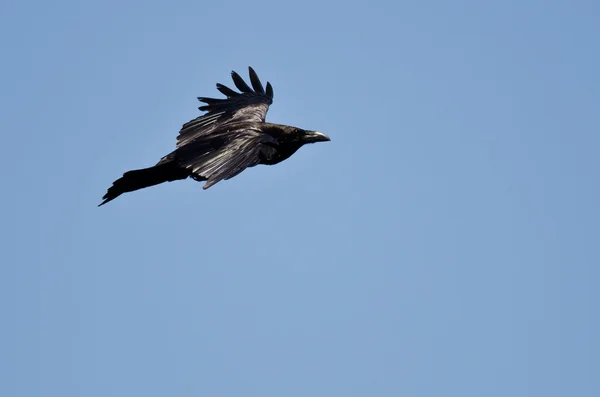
{"x": 231, "y": 136}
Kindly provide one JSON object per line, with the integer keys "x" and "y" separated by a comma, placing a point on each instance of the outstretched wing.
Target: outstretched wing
{"x": 224, "y": 157}
{"x": 251, "y": 105}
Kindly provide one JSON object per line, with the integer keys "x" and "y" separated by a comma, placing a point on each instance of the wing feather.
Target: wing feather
{"x": 226, "y": 91}
{"x": 251, "y": 105}
{"x": 240, "y": 83}
{"x": 215, "y": 164}
{"x": 256, "y": 84}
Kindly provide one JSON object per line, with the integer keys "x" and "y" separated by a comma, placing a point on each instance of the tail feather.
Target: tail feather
{"x": 139, "y": 179}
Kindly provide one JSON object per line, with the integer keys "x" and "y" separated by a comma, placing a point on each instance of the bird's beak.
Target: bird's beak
{"x": 315, "y": 136}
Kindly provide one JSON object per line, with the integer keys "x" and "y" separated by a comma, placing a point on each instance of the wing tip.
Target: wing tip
{"x": 269, "y": 90}
{"x": 256, "y": 83}
{"x": 240, "y": 83}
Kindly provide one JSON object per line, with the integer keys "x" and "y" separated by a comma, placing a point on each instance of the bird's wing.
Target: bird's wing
{"x": 251, "y": 105}
{"x": 245, "y": 149}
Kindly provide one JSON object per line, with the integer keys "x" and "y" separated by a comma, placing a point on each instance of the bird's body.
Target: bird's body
{"x": 220, "y": 144}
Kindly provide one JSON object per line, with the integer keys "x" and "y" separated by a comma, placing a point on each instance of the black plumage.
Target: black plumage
{"x": 231, "y": 136}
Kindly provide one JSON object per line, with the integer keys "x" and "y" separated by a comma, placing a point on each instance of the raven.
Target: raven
{"x": 231, "y": 136}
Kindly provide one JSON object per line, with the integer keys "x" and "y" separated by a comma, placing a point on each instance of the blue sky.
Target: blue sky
{"x": 445, "y": 243}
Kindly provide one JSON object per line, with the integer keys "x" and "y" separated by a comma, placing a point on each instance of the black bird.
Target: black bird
{"x": 231, "y": 136}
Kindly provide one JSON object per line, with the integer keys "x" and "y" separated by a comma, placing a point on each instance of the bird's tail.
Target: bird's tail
{"x": 139, "y": 179}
